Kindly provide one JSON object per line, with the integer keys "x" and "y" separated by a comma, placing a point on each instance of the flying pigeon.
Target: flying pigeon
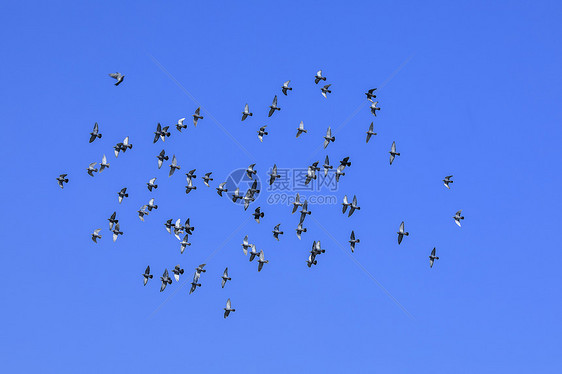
{"x": 245, "y": 245}
{"x": 151, "y": 205}
{"x": 345, "y": 204}
{"x": 345, "y": 162}
{"x": 146, "y": 276}
{"x": 301, "y": 129}
{"x": 432, "y": 257}
{"x": 221, "y": 189}
{"x": 161, "y": 133}
{"x": 177, "y": 272}
{"x": 95, "y": 133}
{"x": 96, "y": 235}
{"x": 261, "y": 260}
{"x": 142, "y": 212}
{"x": 316, "y": 248}
{"x": 118, "y": 77}
{"x": 447, "y": 181}
{"x": 197, "y": 116}
{"x": 352, "y": 241}
{"x": 246, "y": 112}
{"x": 174, "y": 165}
{"x": 300, "y": 230}
{"x": 184, "y": 243}
{"x": 276, "y": 231}
{"x": 188, "y": 228}
{"x": 311, "y": 260}
{"x": 258, "y": 214}
{"x": 370, "y": 132}
{"x": 180, "y": 124}
{"x": 327, "y": 165}
{"x": 296, "y": 203}
{"x": 325, "y": 90}
{"x": 393, "y": 152}
{"x": 370, "y": 94}
{"x": 207, "y": 178}
{"x": 310, "y": 175}
{"x": 116, "y": 232}
{"x": 165, "y": 278}
{"x": 374, "y": 108}
{"x": 328, "y": 137}
{"x": 273, "y": 175}
{"x": 198, "y": 271}
{"x": 253, "y": 252}
{"x": 112, "y": 220}
{"x": 104, "y": 164}
{"x": 250, "y": 171}
{"x": 150, "y": 185}
{"x": 236, "y": 195}
{"x": 304, "y": 211}
{"x": 248, "y": 198}
{"x": 189, "y": 186}
{"x": 254, "y": 188}
{"x": 224, "y": 277}
{"x": 228, "y": 309}
{"x": 458, "y": 217}
{"x": 190, "y": 175}
{"x": 262, "y": 133}
{"x": 178, "y": 229}
{"x": 161, "y": 158}
{"x": 273, "y": 107}
{"x": 92, "y": 169}
{"x": 339, "y": 172}
{"x": 353, "y": 206}
{"x": 168, "y": 224}
{"x": 122, "y": 194}
{"x": 318, "y": 77}
{"x": 61, "y": 179}
{"x": 286, "y": 87}
{"x": 401, "y": 233}
{"x": 122, "y": 147}
{"x": 194, "y": 286}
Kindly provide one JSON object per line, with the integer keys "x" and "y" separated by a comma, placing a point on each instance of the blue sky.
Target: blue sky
{"x": 466, "y": 89}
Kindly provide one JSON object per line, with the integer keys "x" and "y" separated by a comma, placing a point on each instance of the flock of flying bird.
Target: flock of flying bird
{"x": 185, "y": 229}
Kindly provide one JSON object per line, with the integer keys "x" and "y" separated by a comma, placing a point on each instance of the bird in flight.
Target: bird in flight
{"x": 370, "y": 132}
{"x": 301, "y": 129}
{"x": 246, "y": 112}
{"x": 273, "y": 107}
{"x": 326, "y": 90}
{"x": 118, "y": 77}
{"x": 458, "y": 217}
{"x": 328, "y": 137}
{"x": 228, "y": 309}
{"x": 401, "y": 233}
{"x": 95, "y": 133}
{"x": 432, "y": 257}
{"x": 286, "y": 88}
{"x": 393, "y": 152}
{"x": 61, "y": 179}
{"x": 318, "y": 77}
{"x": 197, "y": 116}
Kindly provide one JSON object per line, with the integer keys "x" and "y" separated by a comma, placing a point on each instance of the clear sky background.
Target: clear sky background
{"x": 469, "y": 89}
